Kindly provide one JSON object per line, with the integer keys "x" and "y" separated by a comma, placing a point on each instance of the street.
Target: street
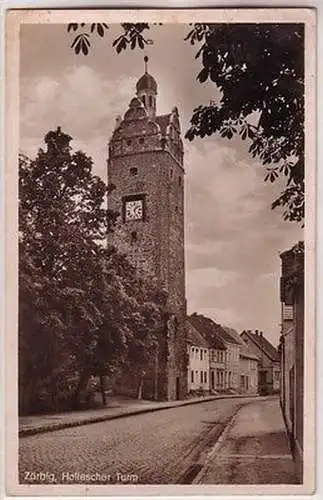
{"x": 252, "y": 450}
{"x": 164, "y": 447}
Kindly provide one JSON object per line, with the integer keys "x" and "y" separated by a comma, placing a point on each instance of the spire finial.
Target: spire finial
{"x": 146, "y": 64}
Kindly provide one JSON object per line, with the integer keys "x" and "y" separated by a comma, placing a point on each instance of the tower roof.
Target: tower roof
{"x": 146, "y": 81}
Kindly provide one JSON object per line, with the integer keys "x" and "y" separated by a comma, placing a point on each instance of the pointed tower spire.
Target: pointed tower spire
{"x": 147, "y": 90}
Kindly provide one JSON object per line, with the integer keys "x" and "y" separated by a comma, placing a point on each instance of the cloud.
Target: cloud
{"x": 82, "y": 102}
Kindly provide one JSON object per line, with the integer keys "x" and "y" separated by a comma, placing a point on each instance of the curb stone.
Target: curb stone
{"x": 216, "y": 447}
{"x": 85, "y": 421}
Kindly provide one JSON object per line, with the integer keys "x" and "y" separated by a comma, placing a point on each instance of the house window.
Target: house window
{"x": 179, "y": 180}
{"x": 193, "y": 350}
{"x": 171, "y": 173}
{"x": 192, "y": 377}
{"x": 134, "y": 171}
{"x": 129, "y": 142}
{"x": 141, "y": 140}
{"x": 201, "y": 354}
{"x": 133, "y": 237}
{"x": 201, "y": 377}
{"x": 205, "y": 377}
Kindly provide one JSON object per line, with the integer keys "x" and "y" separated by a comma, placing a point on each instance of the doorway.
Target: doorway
{"x": 177, "y": 388}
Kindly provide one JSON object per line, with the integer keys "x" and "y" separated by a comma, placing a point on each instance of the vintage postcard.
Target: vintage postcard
{"x": 160, "y": 246}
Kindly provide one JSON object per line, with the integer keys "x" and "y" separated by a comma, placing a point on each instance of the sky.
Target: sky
{"x": 232, "y": 237}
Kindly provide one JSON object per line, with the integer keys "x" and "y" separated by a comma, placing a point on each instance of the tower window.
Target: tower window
{"x": 134, "y": 171}
{"x": 171, "y": 173}
{"x": 133, "y": 237}
{"x": 141, "y": 140}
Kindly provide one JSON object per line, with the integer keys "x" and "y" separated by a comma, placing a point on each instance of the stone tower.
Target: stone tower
{"x": 146, "y": 166}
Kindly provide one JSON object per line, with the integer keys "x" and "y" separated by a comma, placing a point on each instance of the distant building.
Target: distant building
{"x": 198, "y": 372}
{"x": 268, "y": 364}
{"x": 225, "y": 360}
{"x": 292, "y": 347}
{"x": 218, "y": 356}
{"x": 248, "y": 365}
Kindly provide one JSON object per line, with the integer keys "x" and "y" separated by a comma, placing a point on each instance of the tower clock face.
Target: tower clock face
{"x": 134, "y": 210}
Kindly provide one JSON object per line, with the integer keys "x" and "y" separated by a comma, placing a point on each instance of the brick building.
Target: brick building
{"x": 292, "y": 348}
{"x": 146, "y": 166}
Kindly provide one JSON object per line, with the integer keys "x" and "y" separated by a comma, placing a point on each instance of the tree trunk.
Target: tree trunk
{"x": 102, "y": 389}
{"x": 141, "y": 383}
{"x": 83, "y": 381}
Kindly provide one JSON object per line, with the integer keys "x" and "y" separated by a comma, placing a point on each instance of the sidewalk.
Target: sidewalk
{"x": 253, "y": 449}
{"x": 117, "y": 407}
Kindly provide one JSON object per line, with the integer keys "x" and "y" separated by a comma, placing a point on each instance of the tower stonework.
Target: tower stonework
{"x": 146, "y": 166}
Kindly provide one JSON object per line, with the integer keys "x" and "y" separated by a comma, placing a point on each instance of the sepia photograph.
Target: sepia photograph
{"x": 161, "y": 214}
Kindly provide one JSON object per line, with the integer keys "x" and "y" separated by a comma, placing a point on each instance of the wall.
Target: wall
{"x": 232, "y": 366}
{"x": 249, "y": 372}
{"x": 198, "y": 362}
{"x": 158, "y": 249}
{"x": 265, "y": 368}
{"x": 217, "y": 368}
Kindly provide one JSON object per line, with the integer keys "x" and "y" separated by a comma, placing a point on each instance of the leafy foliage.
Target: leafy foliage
{"x": 82, "y": 309}
{"x": 132, "y": 36}
{"x": 259, "y": 69}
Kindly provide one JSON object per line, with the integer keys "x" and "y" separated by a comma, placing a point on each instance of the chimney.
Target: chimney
{"x": 256, "y": 332}
{"x": 260, "y": 334}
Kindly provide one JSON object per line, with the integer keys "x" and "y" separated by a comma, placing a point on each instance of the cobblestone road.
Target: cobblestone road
{"x": 156, "y": 448}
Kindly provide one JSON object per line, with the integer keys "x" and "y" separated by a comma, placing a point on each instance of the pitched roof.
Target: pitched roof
{"x": 245, "y": 351}
{"x": 193, "y": 335}
{"x": 211, "y": 331}
{"x": 264, "y": 345}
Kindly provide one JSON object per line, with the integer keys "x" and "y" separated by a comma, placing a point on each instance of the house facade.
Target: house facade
{"x": 268, "y": 361}
{"x": 248, "y": 365}
{"x": 248, "y": 373}
{"x": 291, "y": 348}
{"x": 224, "y": 351}
{"x": 198, "y": 371}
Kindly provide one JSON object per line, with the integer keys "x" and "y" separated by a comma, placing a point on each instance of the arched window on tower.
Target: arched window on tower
{"x": 151, "y": 101}
{"x": 143, "y": 98}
